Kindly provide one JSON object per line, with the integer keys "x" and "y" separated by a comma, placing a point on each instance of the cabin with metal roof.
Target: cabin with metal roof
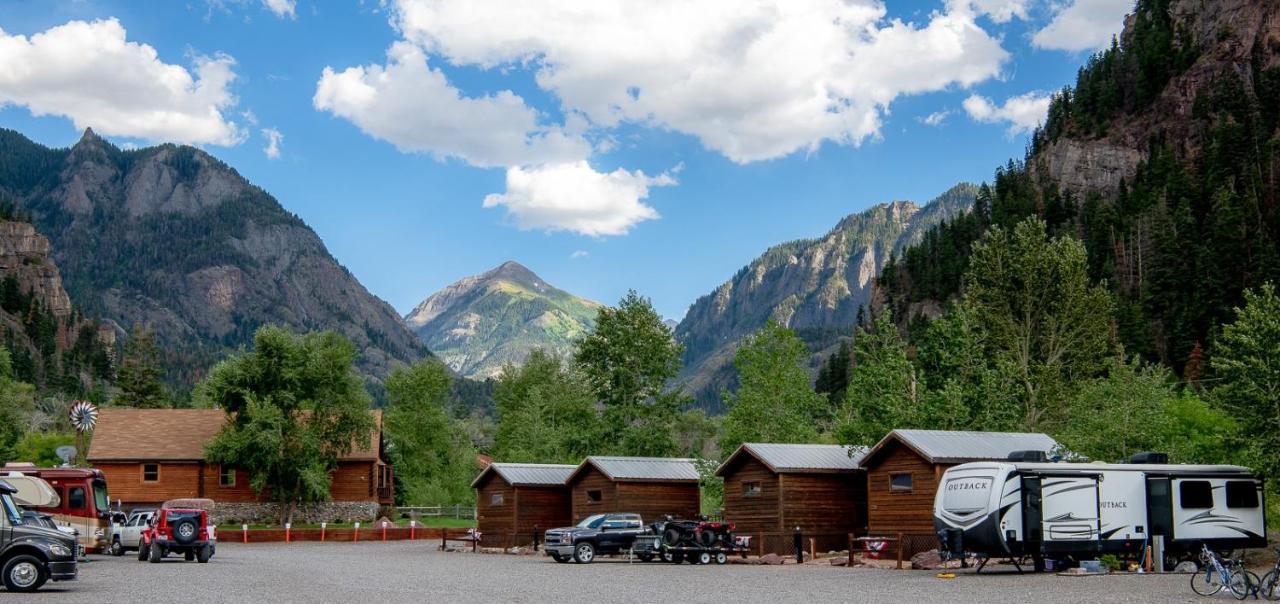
{"x": 905, "y": 467}
{"x": 149, "y": 456}
{"x": 650, "y": 486}
{"x": 770, "y": 490}
{"x": 516, "y": 501}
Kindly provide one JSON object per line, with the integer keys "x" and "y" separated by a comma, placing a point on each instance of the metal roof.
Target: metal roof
{"x": 644, "y": 468}
{"x": 801, "y": 457}
{"x": 955, "y": 446}
{"x": 529, "y": 474}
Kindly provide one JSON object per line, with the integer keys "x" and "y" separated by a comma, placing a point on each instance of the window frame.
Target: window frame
{"x": 598, "y": 496}
{"x": 751, "y": 489}
{"x": 143, "y": 471}
{"x": 1250, "y": 487}
{"x": 497, "y": 500}
{"x": 1197, "y": 498}
{"x": 84, "y": 498}
{"x": 223, "y": 472}
{"x": 895, "y": 488}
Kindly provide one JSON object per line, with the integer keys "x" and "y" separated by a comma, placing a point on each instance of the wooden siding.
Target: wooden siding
{"x": 900, "y": 511}
{"x": 539, "y": 509}
{"x": 592, "y": 479}
{"x": 523, "y": 509}
{"x": 495, "y": 522}
{"x": 752, "y": 515}
{"x": 653, "y": 500}
{"x": 177, "y": 480}
{"x": 354, "y": 481}
{"x": 826, "y": 507}
{"x": 240, "y": 492}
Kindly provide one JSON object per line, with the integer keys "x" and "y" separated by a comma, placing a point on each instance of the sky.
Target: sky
{"x": 655, "y": 145}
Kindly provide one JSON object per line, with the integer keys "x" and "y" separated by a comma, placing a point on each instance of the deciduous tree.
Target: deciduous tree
{"x": 775, "y": 402}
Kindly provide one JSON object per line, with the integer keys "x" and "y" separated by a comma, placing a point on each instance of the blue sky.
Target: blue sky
{"x": 657, "y": 149}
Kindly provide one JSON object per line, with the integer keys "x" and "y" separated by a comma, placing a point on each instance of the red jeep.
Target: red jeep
{"x": 178, "y": 529}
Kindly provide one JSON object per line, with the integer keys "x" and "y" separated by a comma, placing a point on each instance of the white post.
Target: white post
{"x": 1157, "y": 553}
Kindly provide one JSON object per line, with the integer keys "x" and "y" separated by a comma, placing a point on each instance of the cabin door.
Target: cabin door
{"x": 1070, "y": 508}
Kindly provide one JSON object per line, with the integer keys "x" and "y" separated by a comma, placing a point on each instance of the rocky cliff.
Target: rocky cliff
{"x": 483, "y": 322}
{"x": 171, "y": 238}
{"x": 815, "y": 286}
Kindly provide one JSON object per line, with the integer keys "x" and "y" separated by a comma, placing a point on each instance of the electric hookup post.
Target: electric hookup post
{"x": 799, "y": 544}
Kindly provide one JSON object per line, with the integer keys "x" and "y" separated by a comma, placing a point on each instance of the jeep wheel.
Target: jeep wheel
{"x": 143, "y": 552}
{"x": 184, "y": 530}
{"x": 584, "y": 553}
{"x": 24, "y": 573}
{"x": 204, "y": 554}
{"x": 704, "y": 558}
{"x": 154, "y": 553}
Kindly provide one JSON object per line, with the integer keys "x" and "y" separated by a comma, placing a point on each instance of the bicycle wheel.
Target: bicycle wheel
{"x": 1268, "y": 588}
{"x": 1206, "y": 582}
{"x": 1242, "y": 583}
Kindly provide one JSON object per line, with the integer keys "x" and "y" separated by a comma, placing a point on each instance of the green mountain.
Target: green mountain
{"x": 814, "y": 286}
{"x": 486, "y": 321}
{"x": 1164, "y": 159}
{"x": 172, "y": 239}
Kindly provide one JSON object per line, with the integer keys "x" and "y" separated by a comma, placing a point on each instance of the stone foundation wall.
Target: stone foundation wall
{"x": 269, "y": 513}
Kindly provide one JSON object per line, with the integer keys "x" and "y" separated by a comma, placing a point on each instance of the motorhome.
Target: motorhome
{"x": 81, "y": 501}
{"x": 1029, "y": 507}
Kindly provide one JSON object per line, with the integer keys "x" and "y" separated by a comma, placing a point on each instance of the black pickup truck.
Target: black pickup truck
{"x": 597, "y": 535}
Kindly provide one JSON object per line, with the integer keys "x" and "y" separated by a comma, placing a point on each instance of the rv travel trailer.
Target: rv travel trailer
{"x": 1027, "y": 507}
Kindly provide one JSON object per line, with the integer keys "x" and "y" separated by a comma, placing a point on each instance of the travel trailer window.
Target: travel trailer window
{"x": 1196, "y": 495}
{"x": 1242, "y": 494}
{"x": 750, "y": 489}
{"x": 900, "y": 482}
{"x": 495, "y": 499}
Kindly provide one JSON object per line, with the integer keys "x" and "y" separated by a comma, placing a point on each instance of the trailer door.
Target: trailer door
{"x": 1070, "y": 508}
{"x": 1031, "y": 504}
{"x": 1160, "y": 507}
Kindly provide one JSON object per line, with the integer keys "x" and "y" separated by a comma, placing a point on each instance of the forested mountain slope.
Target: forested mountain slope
{"x": 170, "y": 238}
{"x": 1163, "y": 159}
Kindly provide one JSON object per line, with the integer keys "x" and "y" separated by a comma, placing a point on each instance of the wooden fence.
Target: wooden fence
{"x": 343, "y": 535}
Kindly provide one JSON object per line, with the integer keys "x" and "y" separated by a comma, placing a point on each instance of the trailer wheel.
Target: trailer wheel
{"x": 704, "y": 558}
{"x": 721, "y": 557}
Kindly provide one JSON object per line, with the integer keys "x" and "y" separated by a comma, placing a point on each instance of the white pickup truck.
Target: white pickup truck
{"x": 126, "y": 535}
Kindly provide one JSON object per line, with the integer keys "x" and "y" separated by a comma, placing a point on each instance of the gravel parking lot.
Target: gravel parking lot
{"x": 416, "y": 572}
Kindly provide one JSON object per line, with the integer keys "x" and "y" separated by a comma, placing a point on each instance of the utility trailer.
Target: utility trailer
{"x": 651, "y": 547}
{"x": 1026, "y": 507}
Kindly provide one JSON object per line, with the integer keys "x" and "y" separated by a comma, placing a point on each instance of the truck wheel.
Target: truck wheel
{"x": 117, "y": 549}
{"x": 154, "y": 553}
{"x": 24, "y": 573}
{"x": 204, "y": 554}
{"x": 143, "y": 554}
{"x": 704, "y": 558}
{"x": 721, "y": 557}
{"x": 584, "y": 553}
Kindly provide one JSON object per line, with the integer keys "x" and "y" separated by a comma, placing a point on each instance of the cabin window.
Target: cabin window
{"x": 226, "y": 477}
{"x": 1242, "y": 494}
{"x": 495, "y": 499}
{"x": 750, "y": 489}
{"x": 593, "y": 497}
{"x": 900, "y": 482}
{"x": 75, "y": 498}
{"x": 150, "y": 472}
{"x": 1195, "y": 495}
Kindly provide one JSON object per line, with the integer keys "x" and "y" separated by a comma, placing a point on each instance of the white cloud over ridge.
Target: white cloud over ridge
{"x": 89, "y": 72}
{"x": 1022, "y": 113}
{"x": 574, "y": 197}
{"x": 1083, "y": 25}
{"x": 753, "y": 80}
{"x": 282, "y": 8}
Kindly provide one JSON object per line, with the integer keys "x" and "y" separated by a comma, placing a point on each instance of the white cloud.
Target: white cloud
{"x": 90, "y": 73}
{"x": 574, "y": 197}
{"x": 282, "y": 8}
{"x": 274, "y": 138}
{"x": 753, "y": 79}
{"x": 411, "y": 105}
{"x": 1083, "y": 25}
{"x": 1000, "y": 11}
{"x": 1023, "y": 113}
{"x": 579, "y": 254}
{"x": 936, "y": 118}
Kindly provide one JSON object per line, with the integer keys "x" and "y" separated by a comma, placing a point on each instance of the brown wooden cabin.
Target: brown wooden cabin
{"x": 771, "y": 489}
{"x": 152, "y": 455}
{"x": 515, "y": 501}
{"x": 650, "y": 486}
{"x": 905, "y": 467}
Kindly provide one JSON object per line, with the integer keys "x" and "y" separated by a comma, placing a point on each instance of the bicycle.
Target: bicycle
{"x": 1269, "y": 588}
{"x": 1215, "y": 576}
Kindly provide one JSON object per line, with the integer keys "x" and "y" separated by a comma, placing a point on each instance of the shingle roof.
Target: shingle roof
{"x": 954, "y": 446}
{"x": 528, "y": 474}
{"x": 800, "y": 458}
{"x": 642, "y": 468}
{"x": 125, "y": 434}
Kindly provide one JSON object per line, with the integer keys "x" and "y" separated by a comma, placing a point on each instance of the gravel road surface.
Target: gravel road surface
{"x": 369, "y": 573}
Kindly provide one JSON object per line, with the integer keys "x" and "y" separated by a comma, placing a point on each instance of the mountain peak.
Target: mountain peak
{"x": 89, "y": 138}
{"x": 514, "y": 271}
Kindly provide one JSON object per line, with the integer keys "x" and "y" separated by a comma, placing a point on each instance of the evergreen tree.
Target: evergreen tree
{"x": 139, "y": 376}
{"x": 774, "y": 402}
{"x": 1246, "y": 360}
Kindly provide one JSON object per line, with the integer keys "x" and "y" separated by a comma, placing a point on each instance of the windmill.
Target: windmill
{"x": 83, "y": 416}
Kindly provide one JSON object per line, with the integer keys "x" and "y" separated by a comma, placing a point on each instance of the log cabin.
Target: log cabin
{"x": 772, "y": 490}
{"x": 905, "y": 467}
{"x": 516, "y": 501}
{"x": 149, "y": 456}
{"x": 650, "y": 486}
